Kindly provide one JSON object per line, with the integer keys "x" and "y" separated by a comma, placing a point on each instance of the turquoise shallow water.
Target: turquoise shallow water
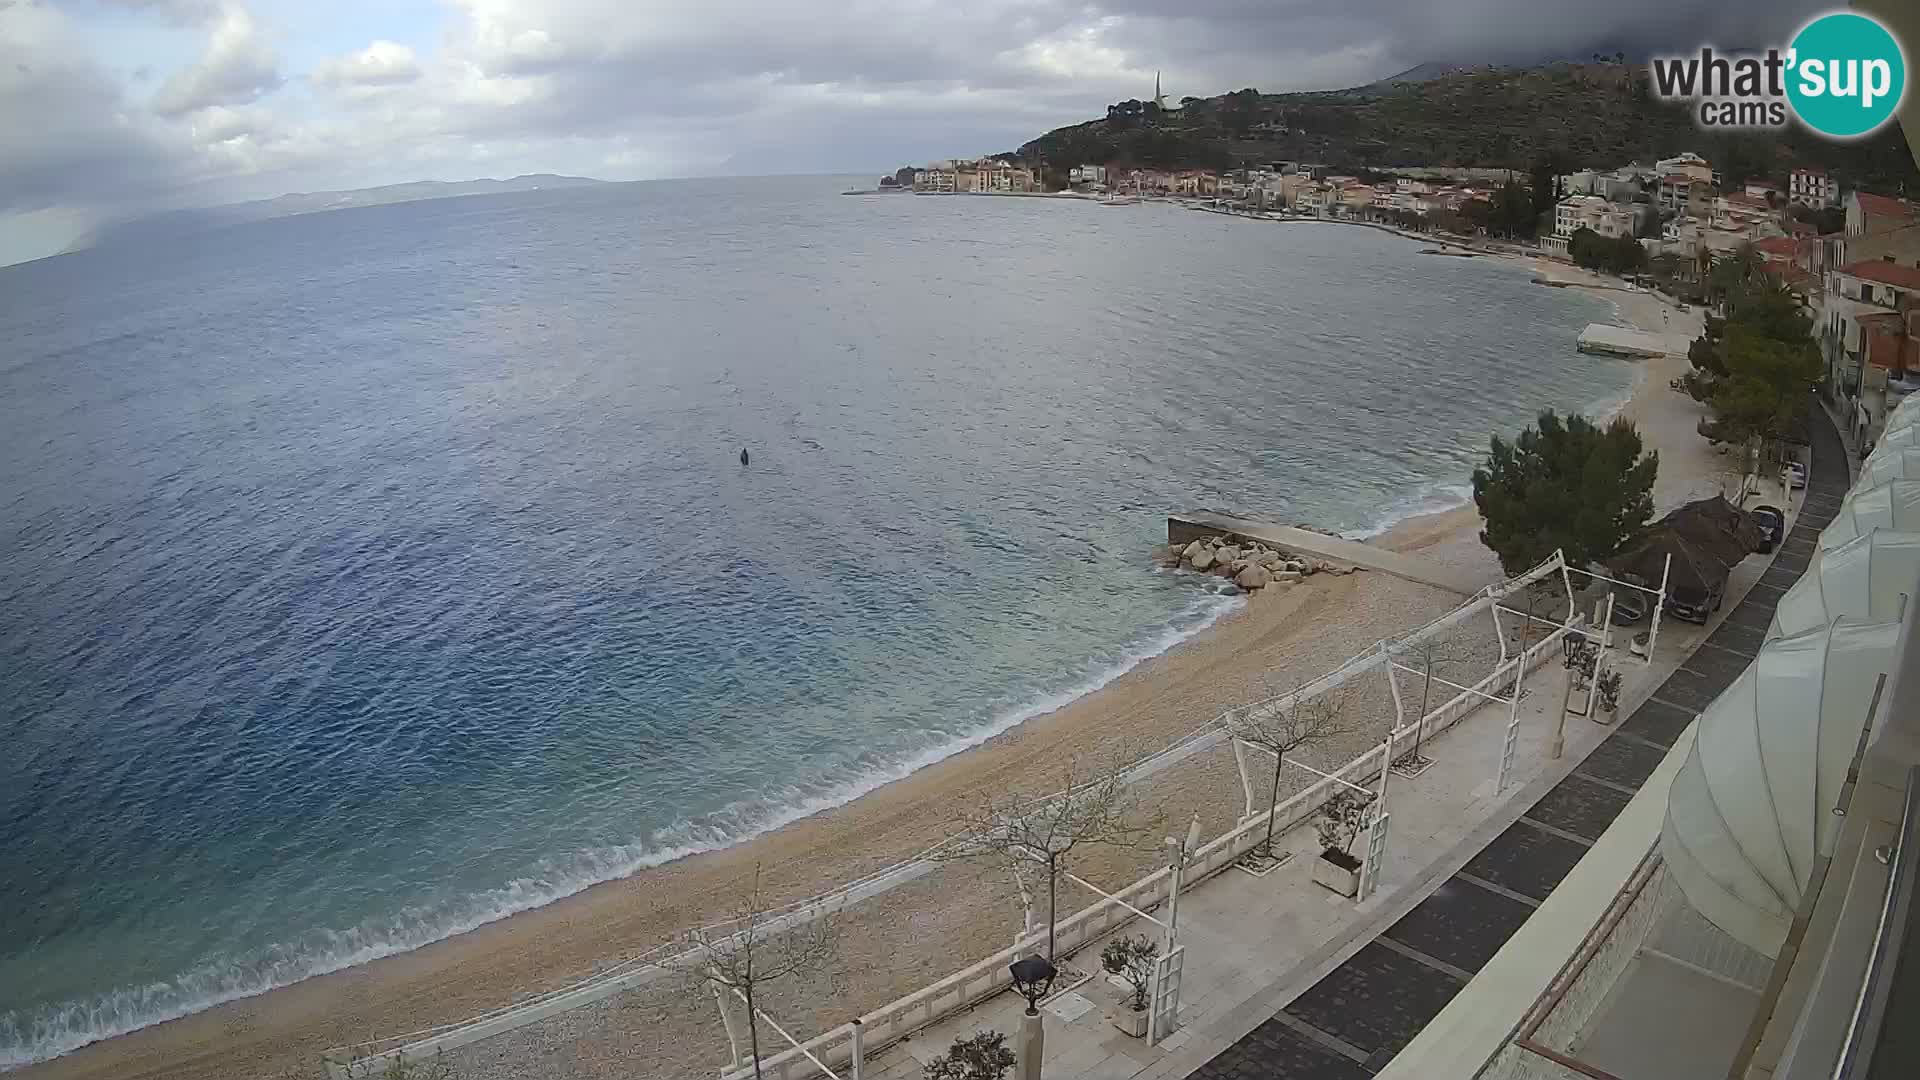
{"x": 367, "y": 576}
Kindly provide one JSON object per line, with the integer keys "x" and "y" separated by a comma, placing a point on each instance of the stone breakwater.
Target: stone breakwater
{"x": 1251, "y": 564}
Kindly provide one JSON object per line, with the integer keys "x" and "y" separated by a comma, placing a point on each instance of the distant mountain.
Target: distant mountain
{"x": 175, "y": 222}
{"x": 1569, "y": 114}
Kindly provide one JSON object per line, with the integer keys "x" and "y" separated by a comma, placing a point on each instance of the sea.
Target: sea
{"x": 370, "y": 575}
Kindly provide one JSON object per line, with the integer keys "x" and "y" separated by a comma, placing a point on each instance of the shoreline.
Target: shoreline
{"x": 1160, "y": 693}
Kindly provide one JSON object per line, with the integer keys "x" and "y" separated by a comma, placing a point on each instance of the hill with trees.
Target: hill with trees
{"x": 1572, "y": 115}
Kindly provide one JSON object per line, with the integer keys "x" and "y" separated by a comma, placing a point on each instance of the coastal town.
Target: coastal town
{"x": 1852, "y": 256}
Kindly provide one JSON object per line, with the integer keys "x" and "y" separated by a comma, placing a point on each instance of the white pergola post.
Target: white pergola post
{"x": 1659, "y": 606}
{"x": 1246, "y": 783}
{"x": 1393, "y": 684}
{"x": 1377, "y": 819}
{"x": 1512, "y": 736}
{"x": 1600, "y": 657}
{"x": 726, "y": 1021}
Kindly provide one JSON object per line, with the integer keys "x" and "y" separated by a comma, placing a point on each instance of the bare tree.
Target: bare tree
{"x": 1289, "y": 724}
{"x": 1027, "y": 831}
{"x": 753, "y": 947}
{"x": 1433, "y": 651}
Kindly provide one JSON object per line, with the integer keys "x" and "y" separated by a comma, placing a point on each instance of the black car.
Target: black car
{"x": 1692, "y": 605}
{"x": 1773, "y": 525}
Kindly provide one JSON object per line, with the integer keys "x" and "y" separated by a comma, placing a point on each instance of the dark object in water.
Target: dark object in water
{"x": 743, "y": 456}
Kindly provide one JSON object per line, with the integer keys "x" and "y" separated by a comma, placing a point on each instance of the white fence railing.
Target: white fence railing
{"x": 989, "y": 976}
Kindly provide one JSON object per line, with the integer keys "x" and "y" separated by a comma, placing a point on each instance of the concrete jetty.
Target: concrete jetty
{"x": 1631, "y": 344}
{"x": 1183, "y": 529}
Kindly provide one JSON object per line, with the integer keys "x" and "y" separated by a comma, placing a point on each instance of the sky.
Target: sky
{"x": 111, "y": 109}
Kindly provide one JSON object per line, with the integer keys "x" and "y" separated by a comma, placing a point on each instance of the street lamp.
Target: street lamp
{"x": 1032, "y": 977}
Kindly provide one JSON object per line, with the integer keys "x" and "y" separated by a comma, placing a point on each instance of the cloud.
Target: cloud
{"x": 69, "y": 136}
{"x": 383, "y": 63}
{"x": 636, "y": 88}
{"x": 239, "y": 67}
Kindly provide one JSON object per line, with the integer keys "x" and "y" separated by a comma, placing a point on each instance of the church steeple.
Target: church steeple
{"x": 1159, "y": 98}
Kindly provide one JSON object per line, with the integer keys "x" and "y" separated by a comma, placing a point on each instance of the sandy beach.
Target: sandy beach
{"x": 919, "y": 931}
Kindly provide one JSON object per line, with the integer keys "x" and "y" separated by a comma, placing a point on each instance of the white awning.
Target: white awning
{"x": 1752, "y": 807}
{"x": 1904, "y": 414}
{"x": 1906, "y": 434}
{"x": 1889, "y": 463}
{"x": 1892, "y": 505}
{"x": 1862, "y": 579}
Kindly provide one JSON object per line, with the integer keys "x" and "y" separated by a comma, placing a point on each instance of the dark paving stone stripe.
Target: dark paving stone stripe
{"x": 1717, "y": 665}
{"x": 1621, "y": 761}
{"x": 1779, "y": 576}
{"x": 1580, "y": 806}
{"x": 1275, "y": 1051}
{"x": 1795, "y": 562}
{"x": 1744, "y": 640}
{"x": 1691, "y": 690}
{"x": 1527, "y": 860}
{"x": 1657, "y": 721}
{"x": 1378, "y": 1000}
{"x": 1750, "y": 617}
{"x": 1461, "y": 924}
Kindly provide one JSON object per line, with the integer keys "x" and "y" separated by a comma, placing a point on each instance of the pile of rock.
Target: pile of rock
{"x": 1250, "y": 564}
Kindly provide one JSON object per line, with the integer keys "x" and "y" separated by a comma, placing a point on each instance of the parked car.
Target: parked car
{"x": 1796, "y": 474}
{"x": 1773, "y": 525}
{"x": 1692, "y": 605}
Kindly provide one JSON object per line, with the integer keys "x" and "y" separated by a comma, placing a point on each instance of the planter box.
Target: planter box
{"x": 1338, "y": 876}
{"x": 1131, "y": 1021}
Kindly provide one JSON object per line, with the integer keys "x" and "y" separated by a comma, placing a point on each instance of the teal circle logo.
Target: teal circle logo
{"x": 1846, "y": 75}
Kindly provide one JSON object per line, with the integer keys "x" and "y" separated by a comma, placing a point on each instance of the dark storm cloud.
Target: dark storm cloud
{"x": 651, "y": 87}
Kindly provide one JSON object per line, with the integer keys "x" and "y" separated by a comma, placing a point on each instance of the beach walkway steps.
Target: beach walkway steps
{"x": 1183, "y": 529}
{"x": 1619, "y": 341}
{"x": 1351, "y": 1022}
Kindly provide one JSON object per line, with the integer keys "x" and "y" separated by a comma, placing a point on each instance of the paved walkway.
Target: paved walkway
{"x": 1184, "y": 528}
{"x": 1352, "y": 1021}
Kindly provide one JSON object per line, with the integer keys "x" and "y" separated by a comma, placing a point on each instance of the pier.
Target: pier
{"x": 1183, "y": 529}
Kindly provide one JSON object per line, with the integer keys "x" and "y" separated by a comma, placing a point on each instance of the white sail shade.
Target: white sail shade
{"x": 1862, "y": 579}
{"x": 1906, "y": 413}
{"x": 1904, "y": 432}
{"x": 1892, "y": 505}
{"x": 1889, "y": 463}
{"x": 1752, "y": 807}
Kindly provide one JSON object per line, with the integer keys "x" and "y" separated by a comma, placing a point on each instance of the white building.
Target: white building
{"x": 1690, "y": 165}
{"x": 1087, "y": 174}
{"x": 1812, "y": 187}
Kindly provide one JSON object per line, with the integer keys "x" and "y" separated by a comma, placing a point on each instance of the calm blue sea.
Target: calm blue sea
{"x": 366, "y": 576}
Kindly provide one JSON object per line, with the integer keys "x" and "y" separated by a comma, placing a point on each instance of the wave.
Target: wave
{"x": 53, "y": 1030}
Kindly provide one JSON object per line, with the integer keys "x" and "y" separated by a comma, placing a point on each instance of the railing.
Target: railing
{"x": 989, "y": 976}
{"x": 1857, "y": 1053}
{"x": 982, "y": 980}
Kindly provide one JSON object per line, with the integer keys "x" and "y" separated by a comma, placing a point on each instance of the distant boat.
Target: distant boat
{"x": 1120, "y": 200}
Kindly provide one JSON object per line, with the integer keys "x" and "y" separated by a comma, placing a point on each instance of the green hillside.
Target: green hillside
{"x": 1574, "y": 115}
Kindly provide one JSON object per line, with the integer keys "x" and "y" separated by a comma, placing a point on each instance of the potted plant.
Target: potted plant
{"x": 1131, "y": 960}
{"x": 1341, "y": 817}
{"x": 980, "y": 1056}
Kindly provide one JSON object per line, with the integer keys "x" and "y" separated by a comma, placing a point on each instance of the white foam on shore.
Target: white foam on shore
{"x": 55, "y": 1030}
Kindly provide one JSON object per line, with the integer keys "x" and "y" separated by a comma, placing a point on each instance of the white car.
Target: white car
{"x": 1796, "y": 474}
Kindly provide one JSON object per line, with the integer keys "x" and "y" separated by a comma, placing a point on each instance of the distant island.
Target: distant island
{"x": 309, "y": 202}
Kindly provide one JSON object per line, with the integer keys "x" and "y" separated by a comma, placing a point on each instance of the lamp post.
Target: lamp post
{"x": 1032, "y": 978}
